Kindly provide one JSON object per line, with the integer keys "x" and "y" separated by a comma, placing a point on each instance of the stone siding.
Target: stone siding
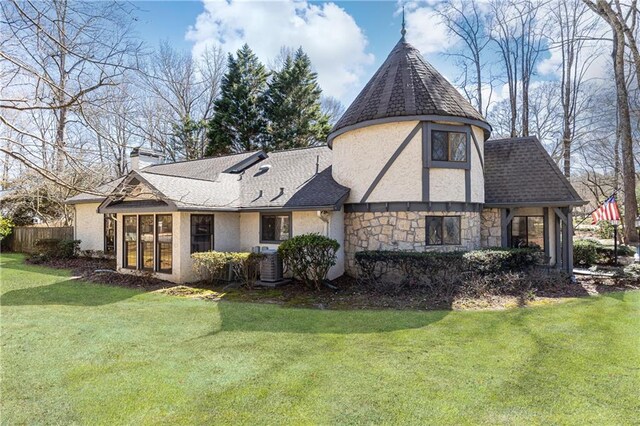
{"x": 491, "y": 231}
{"x": 401, "y": 231}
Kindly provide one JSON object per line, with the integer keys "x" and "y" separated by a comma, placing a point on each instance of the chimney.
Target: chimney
{"x": 142, "y": 157}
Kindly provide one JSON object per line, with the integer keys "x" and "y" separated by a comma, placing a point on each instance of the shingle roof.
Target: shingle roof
{"x": 406, "y": 85}
{"x": 205, "y": 168}
{"x": 292, "y": 179}
{"x": 293, "y": 171}
{"x": 520, "y": 171}
{"x": 105, "y": 188}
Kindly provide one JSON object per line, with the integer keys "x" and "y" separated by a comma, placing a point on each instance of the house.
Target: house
{"x": 409, "y": 166}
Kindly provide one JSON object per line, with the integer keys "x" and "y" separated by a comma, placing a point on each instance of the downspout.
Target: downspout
{"x": 324, "y": 216}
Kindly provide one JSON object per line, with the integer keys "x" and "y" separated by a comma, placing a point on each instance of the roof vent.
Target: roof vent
{"x": 263, "y": 169}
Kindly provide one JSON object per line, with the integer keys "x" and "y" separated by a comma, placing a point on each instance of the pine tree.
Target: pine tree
{"x": 238, "y": 123}
{"x": 292, "y": 105}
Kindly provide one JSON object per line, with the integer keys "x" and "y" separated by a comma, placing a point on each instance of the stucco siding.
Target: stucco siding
{"x": 446, "y": 185}
{"x": 359, "y": 155}
{"x": 477, "y": 170}
{"x": 403, "y": 180}
{"x": 89, "y": 226}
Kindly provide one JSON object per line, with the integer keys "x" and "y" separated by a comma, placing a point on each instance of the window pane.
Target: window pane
{"x": 519, "y": 232}
{"x": 458, "y": 146}
{"x": 109, "y": 234}
{"x": 275, "y": 227}
{"x": 201, "y": 233}
{"x": 146, "y": 241}
{"x": 164, "y": 231}
{"x": 451, "y": 230}
{"x": 131, "y": 241}
{"x": 535, "y": 228}
{"x": 131, "y": 254}
{"x": 439, "y": 146}
{"x": 434, "y": 230}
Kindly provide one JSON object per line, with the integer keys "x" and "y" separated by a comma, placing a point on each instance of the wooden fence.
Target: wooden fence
{"x": 23, "y": 238}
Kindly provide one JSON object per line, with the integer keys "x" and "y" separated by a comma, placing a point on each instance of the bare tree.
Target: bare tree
{"x": 518, "y": 32}
{"x": 468, "y": 22}
{"x": 58, "y": 58}
{"x": 574, "y": 26}
{"x": 333, "y": 108}
{"x": 614, "y": 14}
{"x": 184, "y": 89}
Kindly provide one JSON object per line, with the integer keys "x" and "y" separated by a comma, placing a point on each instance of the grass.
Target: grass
{"x": 74, "y": 352}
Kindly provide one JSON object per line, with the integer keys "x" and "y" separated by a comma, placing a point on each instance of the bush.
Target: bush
{"x": 585, "y": 252}
{"x": 212, "y": 265}
{"x": 309, "y": 257}
{"x": 6, "y": 225}
{"x": 604, "y": 230}
{"x": 445, "y": 273}
{"x": 57, "y": 249}
{"x": 589, "y": 252}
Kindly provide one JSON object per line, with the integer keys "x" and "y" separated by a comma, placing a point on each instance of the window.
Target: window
{"x": 275, "y": 228}
{"x": 110, "y": 233}
{"x": 146, "y": 242}
{"x": 130, "y": 242}
{"x": 164, "y": 242}
{"x": 448, "y": 146}
{"x": 443, "y": 230}
{"x": 201, "y": 233}
{"x": 527, "y": 231}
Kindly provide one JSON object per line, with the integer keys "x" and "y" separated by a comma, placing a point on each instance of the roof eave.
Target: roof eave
{"x": 449, "y": 118}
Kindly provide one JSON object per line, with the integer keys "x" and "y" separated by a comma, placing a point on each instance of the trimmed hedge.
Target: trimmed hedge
{"x": 211, "y": 265}
{"x": 445, "y": 273}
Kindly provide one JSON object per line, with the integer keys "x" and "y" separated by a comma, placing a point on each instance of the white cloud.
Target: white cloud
{"x": 328, "y": 34}
{"x": 425, "y": 29}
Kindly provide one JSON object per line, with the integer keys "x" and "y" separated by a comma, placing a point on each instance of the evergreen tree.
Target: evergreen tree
{"x": 238, "y": 123}
{"x": 292, "y": 105}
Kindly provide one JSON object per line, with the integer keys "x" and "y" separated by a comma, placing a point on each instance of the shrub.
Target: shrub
{"x": 212, "y": 265}
{"x": 585, "y": 252}
{"x": 57, "y": 249}
{"x": 68, "y": 249}
{"x": 6, "y": 225}
{"x": 604, "y": 230}
{"x": 309, "y": 257}
{"x": 444, "y": 273}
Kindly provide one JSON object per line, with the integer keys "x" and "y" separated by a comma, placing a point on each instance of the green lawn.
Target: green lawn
{"x": 74, "y": 352}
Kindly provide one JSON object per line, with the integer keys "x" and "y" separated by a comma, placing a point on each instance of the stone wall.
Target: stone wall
{"x": 401, "y": 231}
{"x": 491, "y": 231}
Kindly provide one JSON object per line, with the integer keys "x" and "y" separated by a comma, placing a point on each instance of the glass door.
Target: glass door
{"x": 146, "y": 242}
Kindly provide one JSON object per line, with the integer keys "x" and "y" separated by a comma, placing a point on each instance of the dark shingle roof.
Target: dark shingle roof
{"x": 406, "y": 85}
{"x": 520, "y": 171}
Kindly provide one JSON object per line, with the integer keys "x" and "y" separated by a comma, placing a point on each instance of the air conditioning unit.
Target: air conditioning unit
{"x": 270, "y": 266}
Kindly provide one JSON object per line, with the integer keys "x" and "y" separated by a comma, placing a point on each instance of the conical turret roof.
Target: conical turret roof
{"x": 406, "y": 86}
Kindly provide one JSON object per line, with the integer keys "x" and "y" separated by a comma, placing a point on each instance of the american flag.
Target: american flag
{"x": 607, "y": 211}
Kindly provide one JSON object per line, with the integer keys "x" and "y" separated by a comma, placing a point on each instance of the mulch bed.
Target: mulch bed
{"x": 347, "y": 295}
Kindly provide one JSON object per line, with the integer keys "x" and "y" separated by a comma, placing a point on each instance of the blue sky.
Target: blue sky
{"x": 342, "y": 74}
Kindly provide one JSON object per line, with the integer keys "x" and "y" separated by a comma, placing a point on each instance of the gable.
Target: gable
{"x": 520, "y": 171}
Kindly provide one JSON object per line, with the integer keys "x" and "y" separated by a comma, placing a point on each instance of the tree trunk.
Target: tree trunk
{"x": 628, "y": 164}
